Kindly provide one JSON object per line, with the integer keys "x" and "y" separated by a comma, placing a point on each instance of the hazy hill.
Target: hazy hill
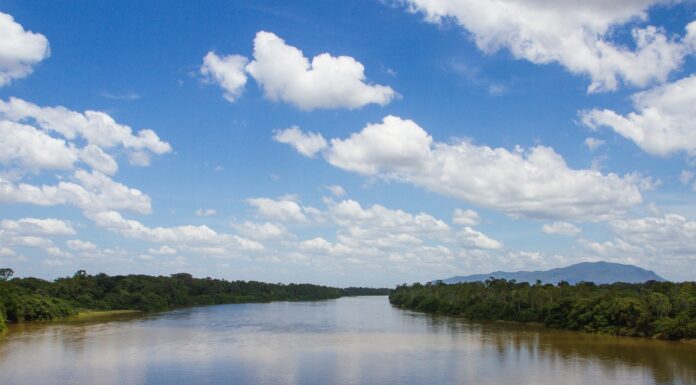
{"x": 597, "y": 272}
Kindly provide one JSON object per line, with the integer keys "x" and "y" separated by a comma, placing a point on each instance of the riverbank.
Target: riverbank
{"x": 96, "y": 314}
{"x": 660, "y": 310}
{"x": 33, "y": 299}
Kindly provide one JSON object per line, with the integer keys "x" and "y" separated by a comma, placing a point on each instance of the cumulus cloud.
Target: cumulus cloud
{"x": 477, "y": 239}
{"x": 350, "y": 213}
{"x": 285, "y": 74}
{"x": 560, "y": 228}
{"x": 96, "y": 128}
{"x": 30, "y": 149}
{"x": 227, "y": 71}
{"x": 37, "y": 226}
{"x": 395, "y": 146}
{"x": 283, "y": 209}
{"x": 6, "y": 252}
{"x": 33, "y": 233}
{"x": 376, "y": 232}
{"x": 385, "y": 239}
{"x": 195, "y": 237}
{"x": 574, "y": 34}
{"x": 88, "y": 191}
{"x": 667, "y": 242}
{"x": 20, "y": 50}
{"x": 80, "y": 245}
{"x": 663, "y": 123}
{"x": 534, "y": 182}
{"x": 466, "y": 217}
{"x": 320, "y": 244}
{"x": 306, "y": 143}
{"x": 260, "y": 230}
{"x": 36, "y": 139}
{"x": 98, "y": 160}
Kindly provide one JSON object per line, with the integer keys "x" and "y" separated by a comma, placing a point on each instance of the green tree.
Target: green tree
{"x": 6, "y": 274}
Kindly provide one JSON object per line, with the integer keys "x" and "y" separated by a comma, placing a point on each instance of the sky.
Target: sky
{"x": 366, "y": 143}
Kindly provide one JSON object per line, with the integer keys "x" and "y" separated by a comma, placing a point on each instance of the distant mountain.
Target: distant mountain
{"x": 597, "y": 272}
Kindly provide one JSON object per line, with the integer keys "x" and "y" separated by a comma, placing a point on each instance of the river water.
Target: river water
{"x": 360, "y": 340}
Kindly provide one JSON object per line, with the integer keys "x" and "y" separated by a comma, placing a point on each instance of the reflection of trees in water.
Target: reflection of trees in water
{"x": 67, "y": 334}
{"x": 667, "y": 362}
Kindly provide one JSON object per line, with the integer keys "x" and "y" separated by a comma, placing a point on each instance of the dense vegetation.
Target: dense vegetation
{"x": 354, "y": 291}
{"x": 29, "y": 299}
{"x": 652, "y": 309}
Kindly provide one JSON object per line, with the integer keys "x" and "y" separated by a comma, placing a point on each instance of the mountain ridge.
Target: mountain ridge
{"x": 597, "y": 272}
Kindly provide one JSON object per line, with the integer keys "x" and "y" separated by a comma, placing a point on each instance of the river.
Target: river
{"x": 359, "y": 340}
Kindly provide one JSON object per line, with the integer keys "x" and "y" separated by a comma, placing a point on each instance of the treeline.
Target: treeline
{"x": 662, "y": 310}
{"x": 29, "y": 299}
{"x": 355, "y": 291}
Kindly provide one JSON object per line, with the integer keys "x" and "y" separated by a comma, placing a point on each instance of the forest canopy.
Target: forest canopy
{"x": 662, "y": 310}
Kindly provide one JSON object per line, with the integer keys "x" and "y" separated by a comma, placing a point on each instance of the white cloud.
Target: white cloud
{"x": 80, "y": 245}
{"x": 466, "y": 217}
{"x": 206, "y": 212}
{"x": 477, "y": 239}
{"x": 320, "y": 244}
{"x": 196, "y": 238}
{"x": 534, "y": 182}
{"x": 98, "y": 160}
{"x": 95, "y": 127}
{"x": 666, "y": 242}
{"x": 350, "y": 213}
{"x": 285, "y": 74}
{"x": 307, "y": 144}
{"x": 227, "y": 71}
{"x": 30, "y": 149}
{"x": 284, "y": 209}
{"x": 378, "y": 238}
{"x": 114, "y": 221}
{"x": 89, "y": 191}
{"x": 163, "y": 250}
{"x": 260, "y": 230}
{"x": 594, "y": 143}
{"x": 574, "y": 34}
{"x": 663, "y": 122}
{"x": 336, "y": 190}
{"x": 671, "y": 233}
{"x": 20, "y": 50}
{"x": 393, "y": 146}
{"x": 560, "y": 228}
{"x": 37, "y": 226}
{"x": 26, "y": 241}
{"x": 33, "y": 150}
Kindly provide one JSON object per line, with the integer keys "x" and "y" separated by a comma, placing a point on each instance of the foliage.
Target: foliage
{"x": 3, "y": 322}
{"x": 6, "y": 274}
{"x": 29, "y": 299}
{"x": 653, "y": 309}
{"x": 355, "y": 291}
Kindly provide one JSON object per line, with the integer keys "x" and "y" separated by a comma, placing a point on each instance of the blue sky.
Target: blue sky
{"x": 346, "y": 143}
